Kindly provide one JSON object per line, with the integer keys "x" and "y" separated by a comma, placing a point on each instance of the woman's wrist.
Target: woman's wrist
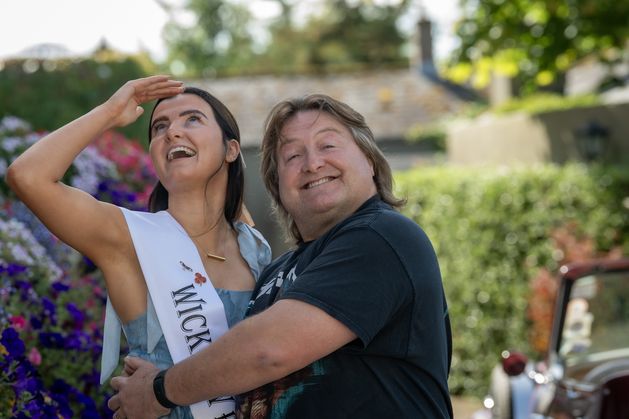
{"x": 108, "y": 116}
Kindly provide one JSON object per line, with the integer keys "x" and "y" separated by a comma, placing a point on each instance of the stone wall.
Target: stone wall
{"x": 546, "y": 137}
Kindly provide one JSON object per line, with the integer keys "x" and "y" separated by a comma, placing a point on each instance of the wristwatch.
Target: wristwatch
{"x": 160, "y": 391}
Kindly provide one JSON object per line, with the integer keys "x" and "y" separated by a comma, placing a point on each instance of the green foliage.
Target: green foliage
{"x": 546, "y": 102}
{"x": 537, "y": 40}
{"x": 491, "y": 230}
{"x": 217, "y": 43}
{"x": 344, "y": 36}
{"x": 432, "y": 136}
{"x": 51, "y": 98}
{"x": 354, "y": 35}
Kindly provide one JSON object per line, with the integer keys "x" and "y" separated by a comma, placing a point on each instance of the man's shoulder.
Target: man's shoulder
{"x": 383, "y": 219}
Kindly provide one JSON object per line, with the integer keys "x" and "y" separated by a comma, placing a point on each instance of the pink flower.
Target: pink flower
{"x": 98, "y": 291}
{"x": 34, "y": 356}
{"x": 18, "y": 322}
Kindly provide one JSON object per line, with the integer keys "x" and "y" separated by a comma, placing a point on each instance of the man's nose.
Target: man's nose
{"x": 313, "y": 161}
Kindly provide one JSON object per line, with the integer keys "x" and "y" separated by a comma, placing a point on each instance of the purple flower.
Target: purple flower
{"x": 36, "y": 323}
{"x": 90, "y": 407}
{"x": 61, "y": 393}
{"x": 12, "y": 269}
{"x": 51, "y": 340}
{"x": 74, "y": 341}
{"x": 60, "y": 287}
{"x": 24, "y": 288}
{"x": 49, "y": 309}
{"x": 78, "y": 318}
{"x": 30, "y": 384}
{"x": 33, "y": 407}
{"x": 92, "y": 378}
{"x": 12, "y": 342}
{"x": 89, "y": 265}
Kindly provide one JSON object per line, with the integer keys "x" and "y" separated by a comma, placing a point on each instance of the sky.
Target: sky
{"x": 133, "y": 25}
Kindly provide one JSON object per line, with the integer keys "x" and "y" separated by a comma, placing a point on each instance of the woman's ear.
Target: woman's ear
{"x": 233, "y": 150}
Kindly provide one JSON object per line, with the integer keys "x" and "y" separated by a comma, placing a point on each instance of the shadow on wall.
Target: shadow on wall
{"x": 258, "y": 202}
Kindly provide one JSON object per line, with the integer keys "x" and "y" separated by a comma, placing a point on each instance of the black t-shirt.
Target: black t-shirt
{"x": 377, "y": 273}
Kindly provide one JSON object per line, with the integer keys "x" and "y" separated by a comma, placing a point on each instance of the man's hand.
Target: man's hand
{"x": 134, "y": 397}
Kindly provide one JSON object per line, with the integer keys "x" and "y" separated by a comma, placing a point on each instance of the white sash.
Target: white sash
{"x": 189, "y": 310}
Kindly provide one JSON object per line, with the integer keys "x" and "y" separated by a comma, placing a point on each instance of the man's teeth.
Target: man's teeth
{"x": 318, "y": 182}
{"x": 179, "y": 152}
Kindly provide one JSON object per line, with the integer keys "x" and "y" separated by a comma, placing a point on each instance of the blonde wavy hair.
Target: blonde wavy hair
{"x": 354, "y": 121}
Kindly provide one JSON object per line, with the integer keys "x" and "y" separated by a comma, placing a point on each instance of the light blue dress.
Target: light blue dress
{"x": 235, "y": 303}
{"x": 144, "y": 334}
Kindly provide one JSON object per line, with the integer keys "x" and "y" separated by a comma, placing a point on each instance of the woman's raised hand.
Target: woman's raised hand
{"x": 124, "y": 105}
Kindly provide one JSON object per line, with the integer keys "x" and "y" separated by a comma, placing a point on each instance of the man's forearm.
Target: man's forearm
{"x": 233, "y": 364}
{"x": 282, "y": 339}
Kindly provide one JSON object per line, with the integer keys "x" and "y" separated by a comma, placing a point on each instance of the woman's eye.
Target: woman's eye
{"x": 158, "y": 127}
{"x": 193, "y": 118}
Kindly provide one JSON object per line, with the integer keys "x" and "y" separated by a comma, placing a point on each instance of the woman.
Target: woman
{"x": 191, "y": 255}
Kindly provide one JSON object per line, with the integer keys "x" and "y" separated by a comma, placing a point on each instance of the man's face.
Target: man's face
{"x": 323, "y": 176}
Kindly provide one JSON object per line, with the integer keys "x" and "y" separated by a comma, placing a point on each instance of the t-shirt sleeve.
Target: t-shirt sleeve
{"x": 358, "y": 279}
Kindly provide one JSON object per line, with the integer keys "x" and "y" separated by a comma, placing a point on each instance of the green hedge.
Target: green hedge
{"x": 57, "y": 92}
{"x": 491, "y": 231}
{"x": 546, "y": 102}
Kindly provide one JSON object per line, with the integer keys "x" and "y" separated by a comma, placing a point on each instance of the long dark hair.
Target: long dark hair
{"x": 158, "y": 200}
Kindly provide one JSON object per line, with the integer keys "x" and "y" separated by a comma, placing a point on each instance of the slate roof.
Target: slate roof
{"x": 391, "y": 101}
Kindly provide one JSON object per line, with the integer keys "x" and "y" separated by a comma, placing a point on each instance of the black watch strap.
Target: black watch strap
{"x": 160, "y": 391}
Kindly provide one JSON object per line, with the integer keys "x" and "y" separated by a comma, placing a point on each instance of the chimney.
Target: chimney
{"x": 424, "y": 60}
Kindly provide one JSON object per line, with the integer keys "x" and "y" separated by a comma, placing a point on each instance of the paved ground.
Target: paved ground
{"x": 464, "y": 407}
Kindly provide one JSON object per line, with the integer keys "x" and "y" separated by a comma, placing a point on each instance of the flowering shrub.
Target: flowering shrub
{"x": 134, "y": 166}
{"x": 51, "y": 298}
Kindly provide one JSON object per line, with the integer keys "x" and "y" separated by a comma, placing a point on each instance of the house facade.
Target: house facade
{"x": 392, "y": 101}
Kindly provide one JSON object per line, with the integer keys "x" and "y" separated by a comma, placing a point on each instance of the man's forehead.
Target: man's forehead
{"x": 322, "y": 122}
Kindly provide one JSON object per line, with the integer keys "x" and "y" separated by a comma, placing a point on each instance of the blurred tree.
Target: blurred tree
{"x": 217, "y": 42}
{"x": 344, "y": 35}
{"x": 536, "y": 41}
{"x": 341, "y": 35}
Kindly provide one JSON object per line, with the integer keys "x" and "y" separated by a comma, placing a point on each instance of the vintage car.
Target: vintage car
{"x": 586, "y": 370}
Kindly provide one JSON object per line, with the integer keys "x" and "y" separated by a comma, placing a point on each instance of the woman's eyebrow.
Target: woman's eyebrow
{"x": 193, "y": 111}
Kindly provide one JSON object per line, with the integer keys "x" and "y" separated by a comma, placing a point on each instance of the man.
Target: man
{"x": 353, "y": 322}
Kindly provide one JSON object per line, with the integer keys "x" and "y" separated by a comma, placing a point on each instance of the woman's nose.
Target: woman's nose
{"x": 173, "y": 133}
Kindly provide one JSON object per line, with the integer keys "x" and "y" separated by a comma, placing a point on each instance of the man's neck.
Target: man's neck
{"x": 313, "y": 229}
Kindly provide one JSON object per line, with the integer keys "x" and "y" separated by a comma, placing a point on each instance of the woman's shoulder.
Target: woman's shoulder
{"x": 253, "y": 247}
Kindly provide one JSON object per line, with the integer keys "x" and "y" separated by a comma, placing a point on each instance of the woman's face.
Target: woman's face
{"x": 187, "y": 145}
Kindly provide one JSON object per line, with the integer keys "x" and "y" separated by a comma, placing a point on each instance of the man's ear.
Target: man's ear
{"x": 233, "y": 150}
